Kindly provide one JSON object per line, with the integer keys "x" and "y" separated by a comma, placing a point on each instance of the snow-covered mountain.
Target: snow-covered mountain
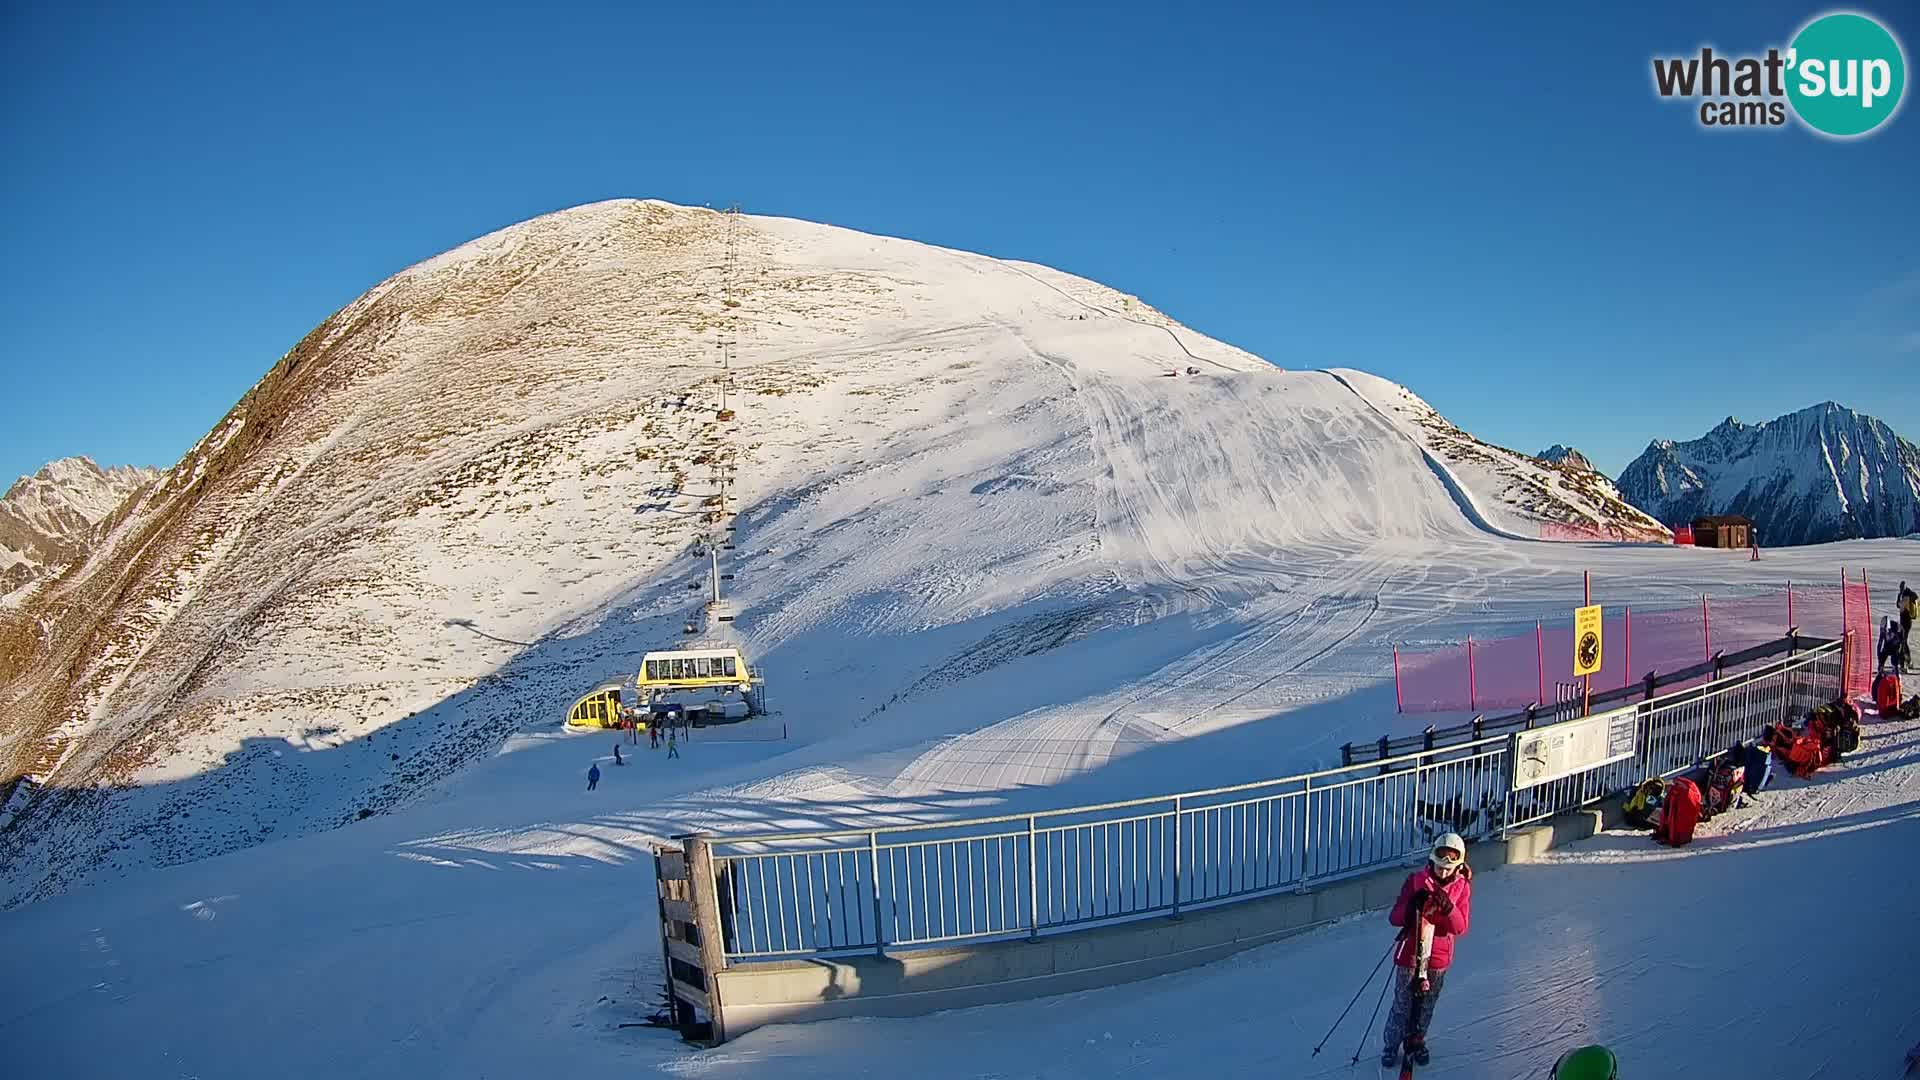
{"x": 47, "y": 519}
{"x": 1565, "y": 455}
{"x": 1823, "y": 473}
{"x": 1519, "y": 495}
{"x": 474, "y": 492}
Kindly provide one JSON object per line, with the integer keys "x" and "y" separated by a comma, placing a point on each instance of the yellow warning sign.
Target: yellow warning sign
{"x": 1586, "y": 640}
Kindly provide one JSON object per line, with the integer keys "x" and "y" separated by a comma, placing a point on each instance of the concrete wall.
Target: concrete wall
{"x": 919, "y": 981}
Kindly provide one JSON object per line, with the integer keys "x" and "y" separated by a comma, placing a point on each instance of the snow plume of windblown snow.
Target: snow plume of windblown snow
{"x": 1823, "y": 473}
{"x": 474, "y": 493}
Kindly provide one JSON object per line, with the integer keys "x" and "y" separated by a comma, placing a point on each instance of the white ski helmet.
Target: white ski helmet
{"x": 1449, "y": 842}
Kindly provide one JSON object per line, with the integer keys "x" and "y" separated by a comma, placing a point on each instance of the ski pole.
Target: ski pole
{"x": 1355, "y": 1001}
{"x": 1361, "y": 1048}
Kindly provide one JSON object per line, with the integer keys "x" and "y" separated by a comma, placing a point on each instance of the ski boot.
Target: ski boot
{"x": 1390, "y": 1057}
{"x": 1417, "y": 1050}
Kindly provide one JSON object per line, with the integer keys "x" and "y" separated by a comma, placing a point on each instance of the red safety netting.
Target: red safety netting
{"x": 1860, "y": 647}
{"x": 1514, "y": 671}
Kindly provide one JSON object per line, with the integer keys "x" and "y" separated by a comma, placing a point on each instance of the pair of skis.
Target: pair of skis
{"x": 1423, "y": 951}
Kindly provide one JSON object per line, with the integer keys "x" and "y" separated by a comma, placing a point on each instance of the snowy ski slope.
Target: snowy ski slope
{"x": 472, "y": 494}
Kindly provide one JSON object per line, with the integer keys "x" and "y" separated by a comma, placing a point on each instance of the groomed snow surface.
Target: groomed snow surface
{"x": 508, "y": 929}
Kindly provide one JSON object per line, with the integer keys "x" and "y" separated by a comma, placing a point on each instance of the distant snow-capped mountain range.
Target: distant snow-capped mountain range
{"x": 1823, "y": 473}
{"x": 47, "y": 519}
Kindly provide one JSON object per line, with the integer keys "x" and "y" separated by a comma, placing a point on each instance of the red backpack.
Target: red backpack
{"x": 1886, "y": 693}
{"x": 1803, "y": 751}
{"x": 1681, "y": 812}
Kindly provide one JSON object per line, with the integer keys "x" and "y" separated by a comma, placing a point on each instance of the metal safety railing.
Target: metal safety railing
{"x": 782, "y": 895}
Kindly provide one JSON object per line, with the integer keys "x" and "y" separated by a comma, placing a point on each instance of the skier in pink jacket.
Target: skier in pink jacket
{"x": 1441, "y": 894}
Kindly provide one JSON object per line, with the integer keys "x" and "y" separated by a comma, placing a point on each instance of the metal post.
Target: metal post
{"x": 1419, "y": 766}
{"x": 1176, "y": 856}
{"x": 1540, "y": 658}
{"x": 1844, "y": 623}
{"x": 873, "y": 867}
{"x": 1306, "y": 834}
{"x": 1033, "y": 881}
{"x": 1506, "y": 782}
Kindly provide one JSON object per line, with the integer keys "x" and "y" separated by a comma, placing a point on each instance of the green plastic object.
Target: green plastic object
{"x": 1587, "y": 1063}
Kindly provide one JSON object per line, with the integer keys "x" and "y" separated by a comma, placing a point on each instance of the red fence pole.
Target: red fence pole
{"x": 1626, "y": 669}
{"x": 1399, "y": 703}
{"x": 1586, "y": 684}
{"x": 1472, "y": 690}
{"x": 1706, "y": 625}
{"x": 1540, "y": 659}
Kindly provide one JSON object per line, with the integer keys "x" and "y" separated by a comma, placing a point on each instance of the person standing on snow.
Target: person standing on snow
{"x": 1908, "y": 602}
{"x": 1889, "y": 647}
{"x": 617, "y": 759}
{"x": 593, "y": 776}
{"x": 1440, "y": 894}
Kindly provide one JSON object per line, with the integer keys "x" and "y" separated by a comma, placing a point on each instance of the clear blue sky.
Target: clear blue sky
{"x": 1491, "y": 207}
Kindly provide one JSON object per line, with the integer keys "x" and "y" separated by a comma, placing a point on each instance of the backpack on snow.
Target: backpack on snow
{"x": 1843, "y": 730}
{"x": 1886, "y": 693}
{"x": 1680, "y": 813}
{"x": 1643, "y": 806}
{"x": 1803, "y": 751}
{"x": 1723, "y": 783}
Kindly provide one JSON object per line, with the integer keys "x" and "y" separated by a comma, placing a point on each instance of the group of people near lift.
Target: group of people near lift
{"x": 666, "y": 729}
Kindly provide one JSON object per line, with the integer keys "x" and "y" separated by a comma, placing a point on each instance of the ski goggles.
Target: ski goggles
{"x": 1449, "y": 859}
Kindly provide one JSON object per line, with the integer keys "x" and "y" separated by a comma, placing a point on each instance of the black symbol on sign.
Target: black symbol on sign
{"x": 1589, "y": 650}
